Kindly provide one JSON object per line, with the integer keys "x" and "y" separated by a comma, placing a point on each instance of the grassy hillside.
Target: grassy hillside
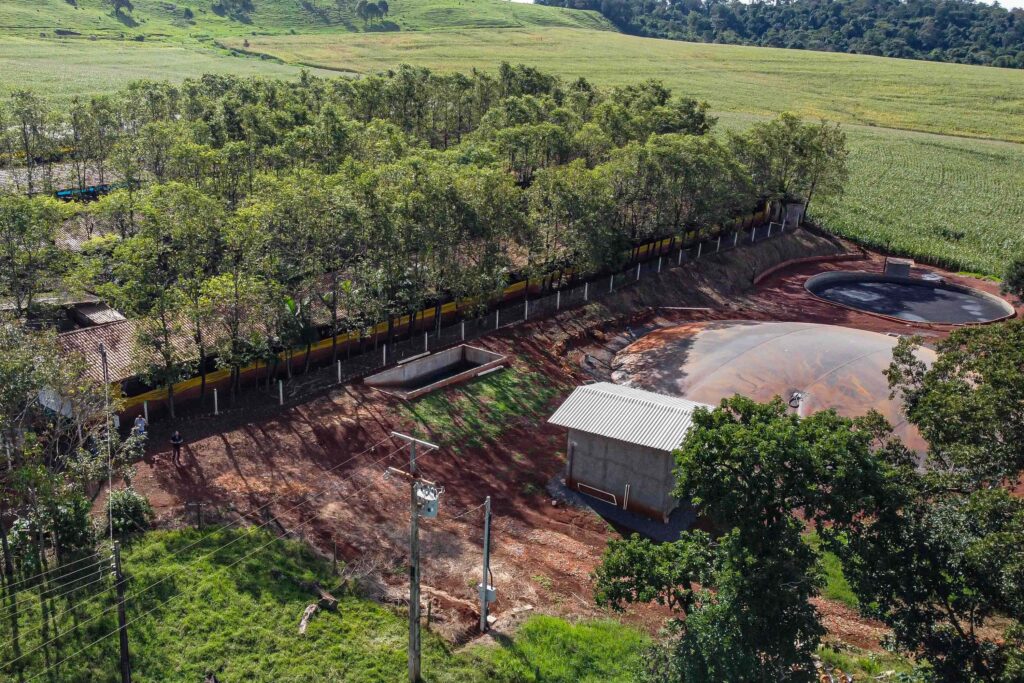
{"x": 236, "y": 614}
{"x": 196, "y": 20}
{"x": 64, "y": 68}
{"x": 858, "y": 89}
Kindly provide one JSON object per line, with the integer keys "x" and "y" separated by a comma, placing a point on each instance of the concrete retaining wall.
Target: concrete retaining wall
{"x": 394, "y": 379}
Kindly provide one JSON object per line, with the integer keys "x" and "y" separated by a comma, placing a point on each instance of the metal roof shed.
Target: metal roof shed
{"x": 620, "y": 444}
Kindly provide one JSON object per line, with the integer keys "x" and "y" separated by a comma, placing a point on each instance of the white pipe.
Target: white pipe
{"x": 638, "y": 271}
{"x": 700, "y": 248}
{"x": 625, "y": 499}
{"x": 463, "y": 330}
{"x": 280, "y": 392}
{"x": 216, "y": 406}
{"x": 718, "y": 247}
{"x": 558, "y": 300}
{"x": 586, "y": 291}
{"x": 659, "y": 264}
{"x": 339, "y": 372}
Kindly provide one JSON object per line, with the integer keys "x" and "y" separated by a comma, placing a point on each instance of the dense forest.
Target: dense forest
{"x": 960, "y": 31}
{"x": 254, "y": 216}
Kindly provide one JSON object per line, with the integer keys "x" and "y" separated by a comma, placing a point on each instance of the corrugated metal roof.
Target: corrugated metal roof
{"x": 627, "y": 414}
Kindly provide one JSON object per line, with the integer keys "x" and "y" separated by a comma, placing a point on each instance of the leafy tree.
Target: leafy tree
{"x": 936, "y": 568}
{"x": 1013, "y": 279}
{"x": 794, "y": 161}
{"x": 30, "y": 260}
{"x": 751, "y": 468}
{"x": 30, "y": 117}
{"x": 967, "y": 404}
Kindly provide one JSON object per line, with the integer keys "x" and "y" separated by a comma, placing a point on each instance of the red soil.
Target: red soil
{"x": 542, "y": 554}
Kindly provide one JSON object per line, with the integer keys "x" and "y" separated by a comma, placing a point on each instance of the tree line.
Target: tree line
{"x": 961, "y": 31}
{"x": 932, "y": 544}
{"x": 256, "y": 216}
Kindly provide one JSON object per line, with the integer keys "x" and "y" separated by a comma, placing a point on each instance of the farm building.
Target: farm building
{"x": 620, "y": 445}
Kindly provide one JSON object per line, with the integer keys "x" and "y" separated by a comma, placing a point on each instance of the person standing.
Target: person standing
{"x": 139, "y": 428}
{"x": 176, "y": 442}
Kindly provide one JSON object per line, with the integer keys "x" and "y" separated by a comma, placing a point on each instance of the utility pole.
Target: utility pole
{"x": 110, "y": 450}
{"x": 122, "y": 624}
{"x": 485, "y": 583}
{"x": 415, "y": 485}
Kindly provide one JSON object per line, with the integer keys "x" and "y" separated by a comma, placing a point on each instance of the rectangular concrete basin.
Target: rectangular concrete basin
{"x": 429, "y": 373}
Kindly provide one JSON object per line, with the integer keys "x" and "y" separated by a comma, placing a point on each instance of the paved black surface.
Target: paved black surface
{"x": 924, "y": 302}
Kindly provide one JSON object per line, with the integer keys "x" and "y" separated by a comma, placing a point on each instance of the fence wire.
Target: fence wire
{"x": 374, "y": 357}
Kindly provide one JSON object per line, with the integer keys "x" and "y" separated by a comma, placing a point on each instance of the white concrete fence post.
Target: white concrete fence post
{"x": 339, "y": 372}
{"x": 735, "y": 238}
{"x": 497, "y": 318}
{"x": 463, "y": 330}
{"x": 280, "y": 392}
{"x": 659, "y": 264}
{"x": 426, "y": 342}
{"x": 769, "y": 229}
{"x": 384, "y": 348}
{"x": 753, "y": 233}
{"x": 680, "y": 261}
{"x": 611, "y": 284}
{"x": 700, "y": 248}
{"x": 216, "y": 406}
{"x": 718, "y": 247}
{"x": 558, "y": 300}
{"x": 145, "y": 411}
{"x": 586, "y": 291}
{"x": 526, "y": 309}
{"x": 638, "y": 272}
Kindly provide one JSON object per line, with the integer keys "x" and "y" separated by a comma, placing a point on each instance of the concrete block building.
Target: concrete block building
{"x": 620, "y": 445}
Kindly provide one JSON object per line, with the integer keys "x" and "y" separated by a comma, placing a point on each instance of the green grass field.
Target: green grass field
{"x": 950, "y": 201}
{"x": 236, "y": 613}
{"x": 949, "y": 198}
{"x": 64, "y": 68}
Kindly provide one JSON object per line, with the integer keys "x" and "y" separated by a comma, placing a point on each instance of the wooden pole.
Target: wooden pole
{"x": 122, "y": 622}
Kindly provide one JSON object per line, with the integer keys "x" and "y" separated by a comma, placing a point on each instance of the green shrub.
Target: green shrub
{"x": 130, "y": 512}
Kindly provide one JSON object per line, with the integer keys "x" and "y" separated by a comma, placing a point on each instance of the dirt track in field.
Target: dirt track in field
{"x": 337, "y": 446}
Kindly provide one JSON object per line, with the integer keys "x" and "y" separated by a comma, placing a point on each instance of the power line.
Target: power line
{"x": 63, "y": 566}
{"x": 19, "y": 611}
{"x": 178, "y": 595}
{"x": 466, "y": 512}
{"x": 67, "y": 610}
{"x": 212, "y": 552}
